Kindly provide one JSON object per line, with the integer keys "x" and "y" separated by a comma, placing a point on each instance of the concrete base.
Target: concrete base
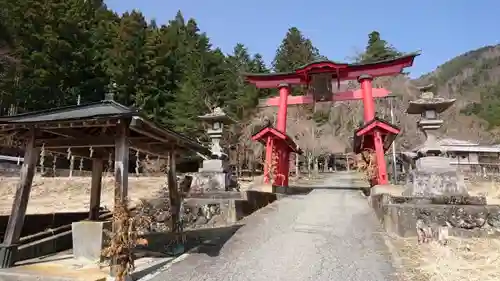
{"x": 89, "y": 239}
{"x": 63, "y": 267}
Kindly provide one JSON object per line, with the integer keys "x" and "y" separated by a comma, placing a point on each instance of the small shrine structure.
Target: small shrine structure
{"x": 98, "y": 131}
{"x": 323, "y": 79}
{"x": 278, "y": 149}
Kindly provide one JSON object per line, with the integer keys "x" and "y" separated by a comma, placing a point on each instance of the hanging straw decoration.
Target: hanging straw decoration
{"x": 42, "y": 158}
{"x": 137, "y": 163}
{"x": 54, "y": 161}
{"x": 81, "y": 165}
{"x": 110, "y": 163}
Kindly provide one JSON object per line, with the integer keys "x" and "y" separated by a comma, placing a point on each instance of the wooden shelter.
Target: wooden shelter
{"x": 97, "y": 131}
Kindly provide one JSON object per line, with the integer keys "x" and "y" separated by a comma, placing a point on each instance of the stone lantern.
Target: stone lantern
{"x": 216, "y": 120}
{"x": 428, "y": 107}
{"x": 434, "y": 175}
{"x": 214, "y": 173}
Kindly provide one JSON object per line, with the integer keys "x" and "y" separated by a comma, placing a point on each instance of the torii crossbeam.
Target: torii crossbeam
{"x": 321, "y": 77}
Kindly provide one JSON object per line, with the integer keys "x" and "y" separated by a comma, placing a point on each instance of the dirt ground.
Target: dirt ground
{"x": 62, "y": 194}
{"x": 49, "y": 195}
{"x": 461, "y": 259}
{"x": 488, "y": 188}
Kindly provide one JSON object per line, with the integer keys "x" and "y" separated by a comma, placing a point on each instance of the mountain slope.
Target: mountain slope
{"x": 472, "y": 78}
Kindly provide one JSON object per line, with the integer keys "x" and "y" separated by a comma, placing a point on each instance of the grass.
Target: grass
{"x": 461, "y": 259}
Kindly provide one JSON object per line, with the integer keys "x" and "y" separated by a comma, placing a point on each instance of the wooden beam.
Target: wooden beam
{"x": 18, "y": 212}
{"x": 64, "y": 124}
{"x": 150, "y": 151}
{"x": 137, "y": 126}
{"x": 67, "y": 133}
{"x": 173, "y": 193}
{"x": 82, "y": 152}
{"x": 88, "y": 141}
{"x": 309, "y": 99}
{"x": 95, "y": 188}
{"x": 74, "y": 143}
{"x": 179, "y": 142}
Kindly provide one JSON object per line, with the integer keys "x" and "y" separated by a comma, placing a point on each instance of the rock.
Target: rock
{"x": 161, "y": 216}
{"x": 201, "y": 221}
{"x": 494, "y": 219}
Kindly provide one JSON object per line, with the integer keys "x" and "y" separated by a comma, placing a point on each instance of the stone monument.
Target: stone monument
{"x": 214, "y": 174}
{"x": 434, "y": 175}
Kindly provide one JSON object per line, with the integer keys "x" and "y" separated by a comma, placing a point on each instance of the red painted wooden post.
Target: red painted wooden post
{"x": 268, "y": 161}
{"x": 381, "y": 165}
{"x": 284, "y": 90}
{"x": 368, "y": 101}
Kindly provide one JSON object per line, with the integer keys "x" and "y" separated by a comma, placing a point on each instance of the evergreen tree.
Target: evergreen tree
{"x": 295, "y": 51}
{"x": 159, "y": 87}
{"x": 378, "y": 49}
{"x": 198, "y": 70}
{"x": 126, "y": 65}
{"x": 243, "y": 96}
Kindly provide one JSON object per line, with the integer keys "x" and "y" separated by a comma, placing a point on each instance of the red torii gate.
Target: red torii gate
{"x": 319, "y": 77}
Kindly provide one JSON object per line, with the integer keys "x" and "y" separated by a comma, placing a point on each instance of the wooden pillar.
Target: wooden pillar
{"x": 121, "y": 160}
{"x": 8, "y": 248}
{"x": 95, "y": 188}
{"x": 173, "y": 193}
{"x": 121, "y": 176}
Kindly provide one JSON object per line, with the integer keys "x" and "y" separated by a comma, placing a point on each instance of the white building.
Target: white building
{"x": 470, "y": 156}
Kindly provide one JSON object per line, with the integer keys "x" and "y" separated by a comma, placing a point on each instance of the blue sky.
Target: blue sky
{"x": 441, "y": 29}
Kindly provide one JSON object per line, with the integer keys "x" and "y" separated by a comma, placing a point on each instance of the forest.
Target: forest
{"x": 60, "y": 52}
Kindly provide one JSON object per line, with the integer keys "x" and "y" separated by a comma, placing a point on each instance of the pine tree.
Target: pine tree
{"x": 197, "y": 69}
{"x": 126, "y": 61}
{"x": 295, "y": 51}
{"x": 242, "y": 96}
{"x": 378, "y": 49}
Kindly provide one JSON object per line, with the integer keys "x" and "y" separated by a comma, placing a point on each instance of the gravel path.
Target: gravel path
{"x": 325, "y": 235}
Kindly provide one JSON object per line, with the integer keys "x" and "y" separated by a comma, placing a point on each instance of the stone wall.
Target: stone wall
{"x": 463, "y": 216}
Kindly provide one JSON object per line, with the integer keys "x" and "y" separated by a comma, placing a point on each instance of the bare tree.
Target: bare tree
{"x": 315, "y": 140}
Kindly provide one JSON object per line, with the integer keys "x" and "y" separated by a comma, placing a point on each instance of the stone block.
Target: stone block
{"x": 89, "y": 239}
{"x": 440, "y": 200}
{"x": 429, "y": 183}
{"x": 213, "y": 165}
{"x": 399, "y": 216}
{"x": 209, "y": 181}
{"x": 434, "y": 164}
